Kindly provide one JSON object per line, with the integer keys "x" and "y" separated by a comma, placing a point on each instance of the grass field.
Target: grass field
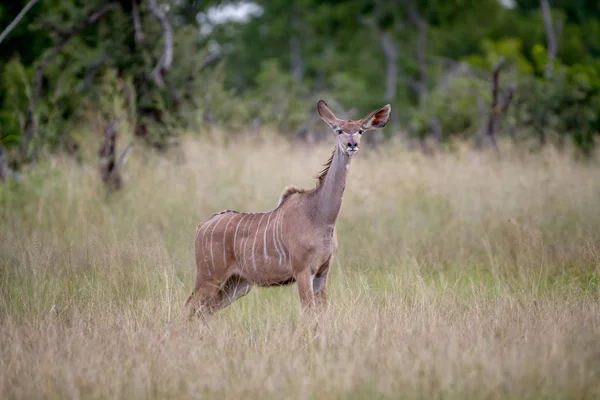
{"x": 458, "y": 276}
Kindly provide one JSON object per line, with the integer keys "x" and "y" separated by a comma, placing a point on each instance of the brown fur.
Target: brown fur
{"x": 288, "y": 191}
{"x": 325, "y": 170}
{"x": 295, "y": 242}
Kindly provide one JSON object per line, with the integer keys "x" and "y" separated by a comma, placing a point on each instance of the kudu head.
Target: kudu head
{"x": 349, "y": 132}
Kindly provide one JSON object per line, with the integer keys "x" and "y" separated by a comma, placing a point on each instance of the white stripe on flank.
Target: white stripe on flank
{"x": 208, "y": 223}
{"x": 225, "y": 241}
{"x": 204, "y": 237}
{"x": 265, "y": 238}
{"x": 280, "y": 236}
{"x": 212, "y": 257}
{"x": 275, "y": 241}
{"x": 204, "y": 228}
{"x": 202, "y": 241}
{"x": 236, "y": 230}
{"x": 245, "y": 244}
{"x": 254, "y": 243}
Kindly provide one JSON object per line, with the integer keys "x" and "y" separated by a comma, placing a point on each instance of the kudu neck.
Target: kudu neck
{"x": 331, "y": 191}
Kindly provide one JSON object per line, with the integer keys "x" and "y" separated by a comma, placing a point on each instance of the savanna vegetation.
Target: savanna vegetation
{"x": 469, "y": 262}
{"x": 461, "y": 277}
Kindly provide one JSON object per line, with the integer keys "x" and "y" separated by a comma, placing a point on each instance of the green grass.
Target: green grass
{"x": 458, "y": 276}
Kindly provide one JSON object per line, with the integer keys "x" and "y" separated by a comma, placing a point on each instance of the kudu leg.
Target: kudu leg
{"x": 203, "y": 298}
{"x": 234, "y": 288}
{"x": 320, "y": 290}
{"x": 319, "y": 285}
{"x": 305, "y": 290}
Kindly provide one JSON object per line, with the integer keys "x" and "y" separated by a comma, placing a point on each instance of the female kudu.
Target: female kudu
{"x": 293, "y": 243}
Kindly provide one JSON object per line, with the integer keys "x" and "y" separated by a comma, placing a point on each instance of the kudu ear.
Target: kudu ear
{"x": 326, "y": 114}
{"x": 377, "y": 119}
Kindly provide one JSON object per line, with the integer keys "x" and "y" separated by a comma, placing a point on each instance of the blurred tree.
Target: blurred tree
{"x": 577, "y": 11}
{"x": 190, "y": 63}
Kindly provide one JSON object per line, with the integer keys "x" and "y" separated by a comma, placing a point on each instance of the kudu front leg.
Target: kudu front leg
{"x": 305, "y": 290}
{"x": 320, "y": 291}
{"x": 319, "y": 285}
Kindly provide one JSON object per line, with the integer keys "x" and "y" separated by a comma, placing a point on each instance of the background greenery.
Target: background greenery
{"x": 432, "y": 60}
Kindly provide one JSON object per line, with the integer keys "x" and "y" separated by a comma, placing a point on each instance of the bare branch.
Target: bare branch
{"x": 137, "y": 22}
{"x": 509, "y": 94}
{"x": 94, "y": 17}
{"x": 210, "y": 58}
{"x": 494, "y": 112}
{"x": 109, "y": 167}
{"x": 495, "y": 79}
{"x": 163, "y": 65}
{"x": 17, "y": 19}
{"x": 498, "y": 108}
{"x": 124, "y": 156}
{"x": 91, "y": 18}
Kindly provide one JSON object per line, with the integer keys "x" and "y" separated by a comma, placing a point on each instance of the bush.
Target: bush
{"x": 456, "y": 104}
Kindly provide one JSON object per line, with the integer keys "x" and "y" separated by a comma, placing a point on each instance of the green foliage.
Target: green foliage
{"x": 271, "y": 65}
{"x": 456, "y": 105}
{"x": 344, "y": 87}
{"x": 510, "y": 49}
{"x": 278, "y": 99}
{"x": 16, "y": 95}
{"x": 221, "y": 104}
{"x": 567, "y": 103}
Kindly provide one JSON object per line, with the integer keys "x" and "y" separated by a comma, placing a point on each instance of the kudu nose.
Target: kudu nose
{"x": 352, "y": 145}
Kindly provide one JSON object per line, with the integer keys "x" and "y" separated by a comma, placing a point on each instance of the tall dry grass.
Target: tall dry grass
{"x": 458, "y": 276}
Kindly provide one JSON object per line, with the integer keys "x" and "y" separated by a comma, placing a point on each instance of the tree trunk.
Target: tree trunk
{"x": 552, "y": 33}
{"x": 422, "y": 28}
{"x": 163, "y": 65}
{"x": 109, "y": 172}
{"x": 111, "y": 167}
{"x": 391, "y": 56}
{"x": 498, "y": 108}
{"x": 137, "y": 22}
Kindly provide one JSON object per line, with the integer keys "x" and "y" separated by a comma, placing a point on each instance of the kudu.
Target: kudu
{"x": 293, "y": 243}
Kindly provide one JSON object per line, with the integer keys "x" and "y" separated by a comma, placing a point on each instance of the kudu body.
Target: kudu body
{"x": 295, "y": 242}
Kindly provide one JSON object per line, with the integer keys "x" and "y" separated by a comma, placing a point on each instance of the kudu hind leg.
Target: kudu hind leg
{"x": 235, "y": 288}
{"x": 320, "y": 290}
{"x": 203, "y": 298}
{"x": 319, "y": 285}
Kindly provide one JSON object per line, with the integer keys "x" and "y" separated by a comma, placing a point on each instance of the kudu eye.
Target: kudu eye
{"x": 339, "y": 131}
{"x": 360, "y": 131}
